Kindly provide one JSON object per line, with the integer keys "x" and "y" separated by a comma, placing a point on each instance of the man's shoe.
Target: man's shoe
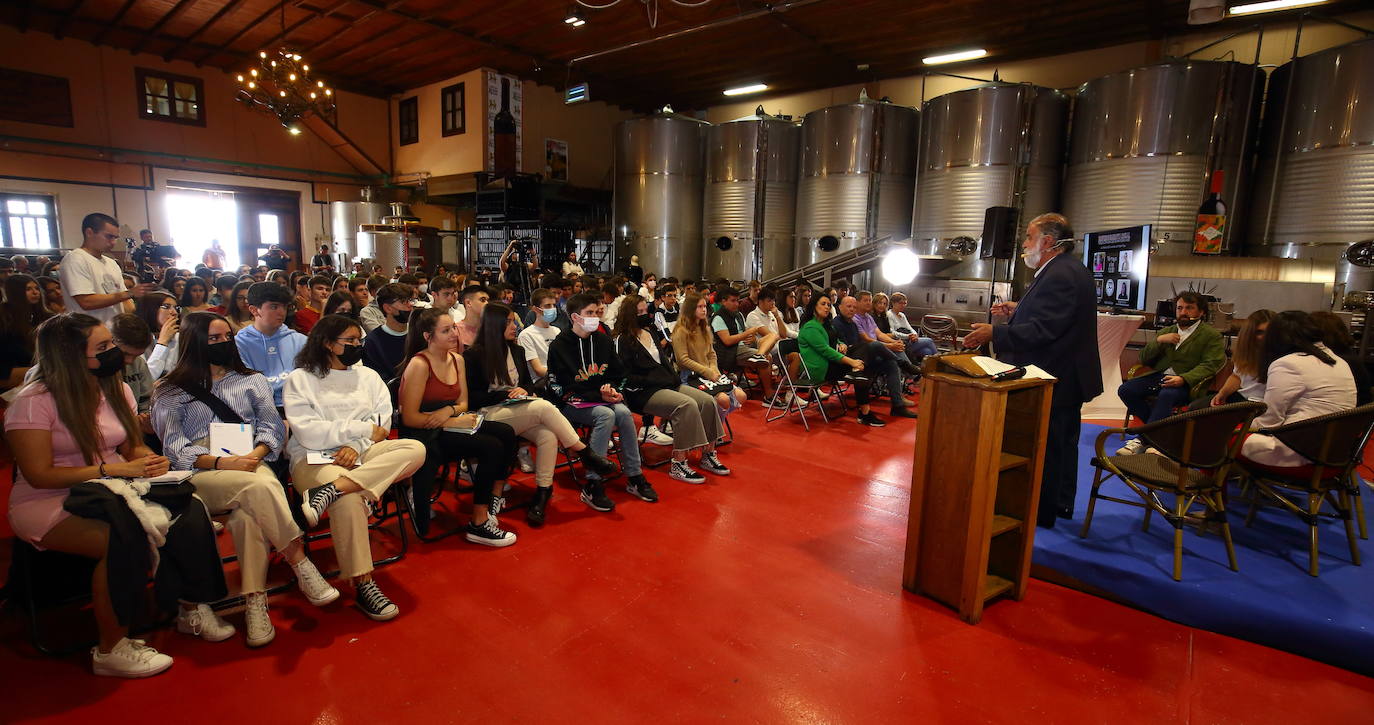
{"x": 871, "y": 420}
{"x": 711, "y": 464}
{"x": 658, "y": 437}
{"x": 902, "y": 412}
{"x": 1132, "y": 447}
{"x": 640, "y": 488}
{"x": 525, "y": 460}
{"x": 312, "y": 584}
{"x": 489, "y": 533}
{"x": 682, "y": 471}
{"x": 130, "y": 658}
{"x": 259, "y": 623}
{"x": 538, "y": 505}
{"x": 204, "y": 623}
{"x": 596, "y": 463}
{"x": 317, "y": 501}
{"x": 374, "y": 603}
{"x": 594, "y": 495}
{"x": 1064, "y": 512}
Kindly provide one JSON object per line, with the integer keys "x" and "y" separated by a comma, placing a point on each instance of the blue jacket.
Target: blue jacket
{"x": 1055, "y": 327}
{"x": 274, "y": 356}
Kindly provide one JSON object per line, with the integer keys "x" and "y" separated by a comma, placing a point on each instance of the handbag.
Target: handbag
{"x": 711, "y": 387}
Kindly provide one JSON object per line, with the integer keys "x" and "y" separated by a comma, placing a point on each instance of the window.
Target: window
{"x": 35, "y": 98}
{"x": 451, "y": 118}
{"x": 28, "y": 221}
{"x": 269, "y": 233}
{"x": 197, "y": 219}
{"x": 409, "y": 120}
{"x": 168, "y": 97}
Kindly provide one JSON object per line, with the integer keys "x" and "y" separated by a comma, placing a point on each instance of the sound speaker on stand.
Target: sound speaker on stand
{"x": 999, "y": 233}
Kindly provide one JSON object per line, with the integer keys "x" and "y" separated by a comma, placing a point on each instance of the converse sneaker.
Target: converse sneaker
{"x": 525, "y": 459}
{"x": 489, "y": 533}
{"x": 129, "y": 658}
{"x": 713, "y": 464}
{"x": 374, "y": 603}
{"x": 682, "y": 471}
{"x": 204, "y": 623}
{"x": 594, "y": 495}
{"x": 316, "y": 501}
{"x": 260, "y": 629}
{"x": 658, "y": 437}
{"x": 312, "y": 584}
{"x": 758, "y": 359}
{"x": 640, "y": 488}
{"x": 1132, "y": 447}
{"x": 497, "y": 505}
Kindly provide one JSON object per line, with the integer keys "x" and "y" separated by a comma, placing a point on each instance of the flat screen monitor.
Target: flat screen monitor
{"x": 1118, "y": 260}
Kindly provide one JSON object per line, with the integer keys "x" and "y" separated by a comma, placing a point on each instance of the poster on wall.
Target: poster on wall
{"x": 504, "y": 131}
{"x": 555, "y": 159}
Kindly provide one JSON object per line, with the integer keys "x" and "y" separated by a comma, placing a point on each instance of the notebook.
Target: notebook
{"x": 231, "y": 439}
{"x": 463, "y": 429}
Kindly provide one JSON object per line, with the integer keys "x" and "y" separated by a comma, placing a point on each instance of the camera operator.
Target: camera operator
{"x": 516, "y": 266}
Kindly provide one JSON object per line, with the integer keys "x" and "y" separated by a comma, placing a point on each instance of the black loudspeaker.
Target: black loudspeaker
{"x": 999, "y": 233}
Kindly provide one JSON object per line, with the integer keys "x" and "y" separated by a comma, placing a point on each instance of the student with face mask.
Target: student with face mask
{"x": 210, "y": 385}
{"x": 385, "y": 346}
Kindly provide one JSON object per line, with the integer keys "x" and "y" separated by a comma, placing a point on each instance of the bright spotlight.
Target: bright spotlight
{"x": 900, "y": 266}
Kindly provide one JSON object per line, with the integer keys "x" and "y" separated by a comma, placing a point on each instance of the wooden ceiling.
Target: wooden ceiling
{"x": 380, "y": 47}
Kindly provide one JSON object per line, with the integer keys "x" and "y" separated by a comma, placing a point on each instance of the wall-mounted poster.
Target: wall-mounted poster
{"x": 504, "y": 123}
{"x": 555, "y": 159}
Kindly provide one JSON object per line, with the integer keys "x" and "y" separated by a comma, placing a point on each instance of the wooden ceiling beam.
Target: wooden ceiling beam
{"x": 227, "y": 46}
{"x": 61, "y": 30}
{"x": 150, "y": 32}
{"x": 225, "y": 9}
{"x": 113, "y": 22}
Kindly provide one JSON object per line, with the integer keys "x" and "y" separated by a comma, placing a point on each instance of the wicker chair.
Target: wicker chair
{"x": 943, "y": 329}
{"x": 1196, "y": 451}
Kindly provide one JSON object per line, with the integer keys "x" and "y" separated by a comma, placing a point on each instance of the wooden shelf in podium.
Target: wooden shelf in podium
{"x": 975, "y": 486}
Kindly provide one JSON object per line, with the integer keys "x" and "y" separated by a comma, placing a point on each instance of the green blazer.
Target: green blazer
{"x": 1197, "y": 360}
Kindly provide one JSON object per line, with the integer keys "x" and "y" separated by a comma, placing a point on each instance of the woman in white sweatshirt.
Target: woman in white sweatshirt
{"x": 340, "y": 409}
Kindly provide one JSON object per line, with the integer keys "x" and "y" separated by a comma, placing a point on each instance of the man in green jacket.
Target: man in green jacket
{"x": 1184, "y": 357}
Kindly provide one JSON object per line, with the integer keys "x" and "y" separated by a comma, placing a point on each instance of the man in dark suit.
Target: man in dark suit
{"x": 1055, "y": 327}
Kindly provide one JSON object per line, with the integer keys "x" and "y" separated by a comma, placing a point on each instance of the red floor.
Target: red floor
{"x": 769, "y": 596}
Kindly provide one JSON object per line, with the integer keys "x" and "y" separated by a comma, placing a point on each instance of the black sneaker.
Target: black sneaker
{"x": 871, "y": 420}
{"x": 597, "y": 463}
{"x": 489, "y": 533}
{"x": 757, "y": 359}
{"x": 682, "y": 471}
{"x": 711, "y": 464}
{"x": 538, "y": 505}
{"x": 640, "y": 488}
{"x": 902, "y": 412}
{"x": 374, "y": 603}
{"x": 316, "y": 501}
{"x": 854, "y": 378}
{"x": 497, "y": 505}
{"x": 594, "y": 495}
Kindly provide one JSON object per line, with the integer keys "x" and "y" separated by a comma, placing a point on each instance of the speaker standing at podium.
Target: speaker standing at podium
{"x": 1054, "y": 326}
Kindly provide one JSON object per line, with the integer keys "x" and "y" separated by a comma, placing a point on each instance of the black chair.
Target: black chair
{"x": 1196, "y": 451}
{"x": 1333, "y": 445}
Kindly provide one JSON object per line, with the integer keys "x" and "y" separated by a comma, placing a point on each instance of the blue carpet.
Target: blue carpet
{"x": 1271, "y": 600}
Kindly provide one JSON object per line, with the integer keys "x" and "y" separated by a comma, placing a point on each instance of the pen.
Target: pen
{"x": 226, "y": 451}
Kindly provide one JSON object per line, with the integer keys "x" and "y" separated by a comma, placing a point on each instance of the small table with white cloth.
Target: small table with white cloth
{"x": 1113, "y": 332}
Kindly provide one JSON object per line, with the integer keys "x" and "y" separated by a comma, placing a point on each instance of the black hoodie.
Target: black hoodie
{"x": 578, "y": 366}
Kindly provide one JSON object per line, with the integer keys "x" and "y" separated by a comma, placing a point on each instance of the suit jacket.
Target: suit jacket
{"x": 1055, "y": 327}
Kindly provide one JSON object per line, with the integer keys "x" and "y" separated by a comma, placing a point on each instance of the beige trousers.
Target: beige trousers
{"x": 693, "y": 413}
{"x": 540, "y": 423}
{"x": 259, "y": 519}
{"x": 381, "y": 465}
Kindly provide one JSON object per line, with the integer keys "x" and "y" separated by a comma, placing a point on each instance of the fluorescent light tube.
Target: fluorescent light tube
{"x": 955, "y": 57}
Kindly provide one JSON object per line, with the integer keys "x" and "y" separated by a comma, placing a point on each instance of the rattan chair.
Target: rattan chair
{"x": 1196, "y": 451}
{"x": 943, "y": 329}
{"x": 1333, "y": 445}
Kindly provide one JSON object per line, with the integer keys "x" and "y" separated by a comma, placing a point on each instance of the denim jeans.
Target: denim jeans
{"x": 603, "y": 419}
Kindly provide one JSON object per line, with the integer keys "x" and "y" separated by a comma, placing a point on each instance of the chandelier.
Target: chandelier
{"x": 281, "y": 85}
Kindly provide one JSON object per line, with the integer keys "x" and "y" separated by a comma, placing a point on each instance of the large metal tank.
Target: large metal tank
{"x": 1319, "y": 135}
{"x": 344, "y": 218}
{"x": 751, "y": 197}
{"x": 658, "y": 189}
{"x": 857, "y": 178}
{"x": 1146, "y": 140}
{"x": 1000, "y": 144}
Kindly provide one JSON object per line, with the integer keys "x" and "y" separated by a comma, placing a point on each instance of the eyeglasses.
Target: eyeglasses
{"x": 349, "y": 341}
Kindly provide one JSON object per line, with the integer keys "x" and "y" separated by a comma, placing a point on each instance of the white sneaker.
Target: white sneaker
{"x": 793, "y": 397}
{"x": 312, "y": 584}
{"x": 129, "y": 658}
{"x": 260, "y": 629}
{"x": 1132, "y": 447}
{"x": 525, "y": 459}
{"x": 658, "y": 437}
{"x": 204, "y": 623}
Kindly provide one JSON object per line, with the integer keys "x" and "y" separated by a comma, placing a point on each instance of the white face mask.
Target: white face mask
{"x": 651, "y": 284}
{"x": 424, "y": 288}
{"x": 591, "y": 324}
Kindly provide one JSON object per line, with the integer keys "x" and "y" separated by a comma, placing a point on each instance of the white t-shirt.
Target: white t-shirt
{"x": 759, "y": 318}
{"x": 534, "y": 340}
{"x": 82, "y": 273}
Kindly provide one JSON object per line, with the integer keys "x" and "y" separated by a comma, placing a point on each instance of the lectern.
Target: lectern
{"x": 975, "y": 485}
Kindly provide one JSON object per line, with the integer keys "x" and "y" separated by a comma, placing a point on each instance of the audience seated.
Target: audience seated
{"x": 372, "y": 316}
{"x": 1243, "y": 383}
{"x": 1184, "y": 356}
{"x": 160, "y": 312}
{"x": 534, "y": 339}
{"x": 340, "y": 302}
{"x": 74, "y": 424}
{"x": 238, "y": 314}
{"x": 767, "y": 317}
{"x": 268, "y": 345}
{"x": 195, "y": 297}
{"x": 653, "y": 388}
{"x": 320, "y": 287}
{"x": 879, "y": 359}
{"x": 822, "y": 357}
{"x": 341, "y": 411}
{"x": 892, "y": 320}
{"x": 210, "y": 385}
{"x": 384, "y": 348}
{"x": 869, "y": 331}
{"x": 749, "y": 346}
{"x": 694, "y": 351}
{"x": 443, "y": 296}
{"x": 20, "y": 315}
{"x": 473, "y": 299}
{"x": 1336, "y": 336}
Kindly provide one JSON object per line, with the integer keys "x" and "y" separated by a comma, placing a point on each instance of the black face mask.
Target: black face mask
{"x": 111, "y": 361}
{"x": 402, "y": 316}
{"x": 220, "y": 353}
{"x": 351, "y": 355}
{"x": 645, "y": 320}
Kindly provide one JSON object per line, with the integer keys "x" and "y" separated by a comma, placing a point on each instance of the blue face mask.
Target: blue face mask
{"x": 550, "y": 314}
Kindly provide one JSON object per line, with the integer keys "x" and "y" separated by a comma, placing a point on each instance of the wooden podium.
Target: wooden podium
{"x": 975, "y": 487}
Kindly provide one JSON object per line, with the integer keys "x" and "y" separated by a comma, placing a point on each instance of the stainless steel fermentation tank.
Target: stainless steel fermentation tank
{"x": 751, "y": 198}
{"x": 858, "y": 174}
{"x": 658, "y": 192}
{"x": 1145, "y": 142}
{"x": 344, "y": 218}
{"x": 1314, "y": 195}
{"x": 1000, "y": 144}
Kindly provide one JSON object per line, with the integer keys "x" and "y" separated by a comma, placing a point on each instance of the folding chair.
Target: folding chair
{"x": 1333, "y": 446}
{"x": 1196, "y": 452}
{"x": 785, "y": 396}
